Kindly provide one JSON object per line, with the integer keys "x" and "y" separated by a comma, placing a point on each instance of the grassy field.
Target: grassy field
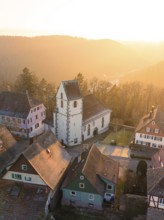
{"x": 121, "y": 138}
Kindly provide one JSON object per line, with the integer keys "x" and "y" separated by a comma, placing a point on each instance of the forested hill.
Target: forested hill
{"x": 151, "y": 75}
{"x": 61, "y": 57}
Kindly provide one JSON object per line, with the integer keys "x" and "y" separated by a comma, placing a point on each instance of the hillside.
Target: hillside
{"x": 62, "y": 57}
{"x": 151, "y": 75}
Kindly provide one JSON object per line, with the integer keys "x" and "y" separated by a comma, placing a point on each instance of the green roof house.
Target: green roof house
{"x": 91, "y": 180}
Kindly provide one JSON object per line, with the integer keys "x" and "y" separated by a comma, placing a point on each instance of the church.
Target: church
{"x": 77, "y": 118}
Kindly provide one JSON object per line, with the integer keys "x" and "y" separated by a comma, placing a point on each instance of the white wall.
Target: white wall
{"x": 35, "y": 179}
{"x": 155, "y": 200}
{"x": 148, "y": 140}
{"x": 96, "y": 122}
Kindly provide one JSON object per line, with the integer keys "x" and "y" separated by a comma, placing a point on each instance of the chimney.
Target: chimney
{"x": 150, "y": 114}
{"x": 152, "y": 108}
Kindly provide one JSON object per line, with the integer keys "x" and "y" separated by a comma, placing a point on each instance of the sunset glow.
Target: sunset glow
{"x": 94, "y": 19}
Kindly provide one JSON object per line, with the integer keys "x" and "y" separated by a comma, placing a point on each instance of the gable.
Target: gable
{"x": 75, "y": 185}
{"x": 152, "y": 125}
{"x": 20, "y": 163}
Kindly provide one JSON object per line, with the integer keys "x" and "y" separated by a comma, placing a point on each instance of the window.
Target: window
{"x": 75, "y": 140}
{"x": 27, "y": 178}
{"x": 109, "y": 186}
{"x": 16, "y": 176}
{"x": 31, "y": 129}
{"x": 34, "y": 109}
{"x": 24, "y": 121}
{"x": 161, "y": 201}
{"x": 81, "y": 185}
{"x": 82, "y": 177}
{"x": 91, "y": 196}
{"x": 38, "y": 108}
{"x": 36, "y": 116}
{"x": 24, "y": 167}
{"x": 158, "y": 138}
{"x": 102, "y": 122}
{"x": 61, "y": 95}
{"x": 148, "y": 129}
{"x": 75, "y": 104}
{"x": 61, "y": 104}
{"x": 89, "y": 130}
{"x": 73, "y": 193}
{"x": 156, "y": 130}
{"x": 37, "y": 125}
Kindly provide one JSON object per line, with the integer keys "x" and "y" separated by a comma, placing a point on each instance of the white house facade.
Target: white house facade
{"x": 77, "y": 118}
{"x": 150, "y": 130}
{"x": 21, "y": 115}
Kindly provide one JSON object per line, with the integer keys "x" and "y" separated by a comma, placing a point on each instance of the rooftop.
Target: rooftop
{"x": 16, "y": 104}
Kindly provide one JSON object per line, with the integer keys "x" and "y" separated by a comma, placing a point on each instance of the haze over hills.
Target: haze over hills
{"x": 151, "y": 75}
{"x": 59, "y": 58}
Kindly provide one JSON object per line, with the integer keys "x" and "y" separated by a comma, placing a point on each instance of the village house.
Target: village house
{"x": 22, "y": 115}
{"x": 91, "y": 181}
{"x": 155, "y": 187}
{"x": 77, "y": 118}
{"x": 9, "y": 148}
{"x": 150, "y": 130}
{"x": 43, "y": 163}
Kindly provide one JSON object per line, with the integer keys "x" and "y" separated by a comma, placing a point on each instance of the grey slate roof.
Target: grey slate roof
{"x": 155, "y": 181}
{"x": 94, "y": 165}
{"x": 157, "y": 116}
{"x": 48, "y": 158}
{"x": 16, "y": 104}
{"x": 72, "y": 89}
{"x": 154, "y": 214}
{"x": 92, "y": 106}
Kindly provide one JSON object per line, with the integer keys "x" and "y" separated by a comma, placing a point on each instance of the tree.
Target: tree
{"x": 82, "y": 83}
{"x": 141, "y": 168}
{"x": 27, "y": 81}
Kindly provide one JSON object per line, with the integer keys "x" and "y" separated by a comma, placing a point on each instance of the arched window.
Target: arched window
{"x": 89, "y": 130}
{"x": 102, "y": 122}
{"x": 75, "y": 104}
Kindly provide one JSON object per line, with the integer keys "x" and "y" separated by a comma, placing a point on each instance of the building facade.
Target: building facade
{"x": 77, "y": 118}
{"x": 91, "y": 181}
{"x": 22, "y": 115}
{"x": 155, "y": 187}
{"x": 150, "y": 130}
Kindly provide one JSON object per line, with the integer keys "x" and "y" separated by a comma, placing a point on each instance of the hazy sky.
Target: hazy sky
{"x": 113, "y": 19}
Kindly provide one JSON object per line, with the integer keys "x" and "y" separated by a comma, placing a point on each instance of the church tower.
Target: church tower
{"x": 68, "y": 114}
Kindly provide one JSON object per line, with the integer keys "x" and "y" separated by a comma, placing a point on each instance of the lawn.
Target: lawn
{"x": 119, "y": 138}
